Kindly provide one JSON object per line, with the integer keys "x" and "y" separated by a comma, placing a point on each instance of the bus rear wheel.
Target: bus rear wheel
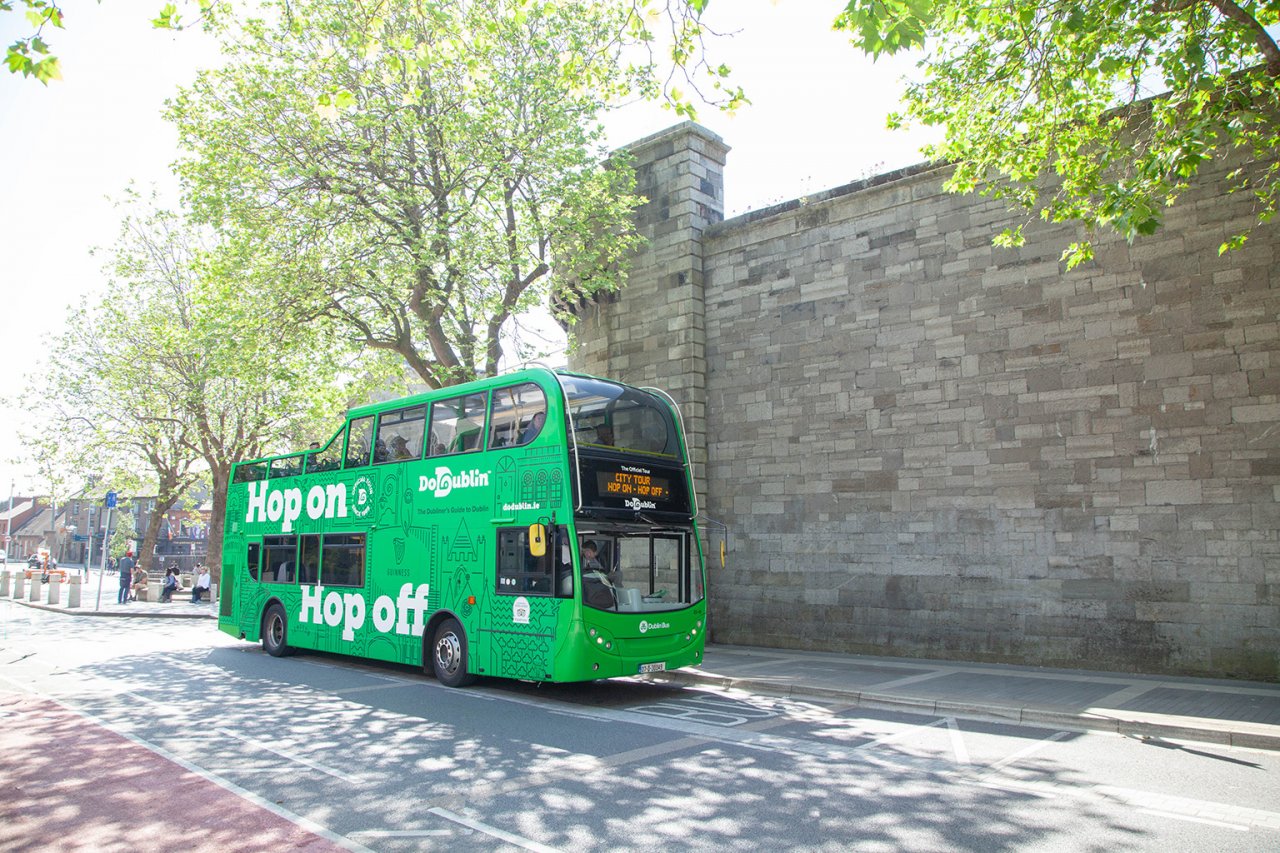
{"x": 275, "y": 632}
{"x": 449, "y": 655}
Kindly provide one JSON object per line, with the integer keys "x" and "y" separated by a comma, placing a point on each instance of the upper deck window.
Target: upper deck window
{"x": 359, "y": 444}
{"x": 614, "y": 417}
{"x": 518, "y": 415}
{"x": 328, "y": 458}
{"x": 400, "y": 435}
{"x": 457, "y": 425}
{"x": 286, "y": 466}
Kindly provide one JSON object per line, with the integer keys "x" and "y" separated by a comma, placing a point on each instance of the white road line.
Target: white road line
{"x": 1190, "y": 819}
{"x": 401, "y": 833}
{"x": 296, "y": 759}
{"x": 1026, "y": 751}
{"x": 1013, "y": 787}
{"x": 500, "y": 834}
{"x": 957, "y": 741}
{"x": 892, "y": 736}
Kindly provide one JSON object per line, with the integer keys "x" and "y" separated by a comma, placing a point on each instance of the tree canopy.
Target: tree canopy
{"x": 427, "y": 168}
{"x": 184, "y": 368}
{"x": 1095, "y": 111}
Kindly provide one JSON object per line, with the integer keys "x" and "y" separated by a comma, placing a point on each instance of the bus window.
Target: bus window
{"x": 517, "y": 415}
{"x": 309, "y": 559}
{"x": 457, "y": 425}
{"x": 400, "y": 435}
{"x": 359, "y": 443}
{"x": 330, "y": 457}
{"x": 343, "y": 560}
{"x": 287, "y": 466}
{"x": 246, "y": 473}
{"x": 614, "y": 417}
{"x": 521, "y": 573}
{"x": 279, "y": 565}
{"x": 254, "y": 555}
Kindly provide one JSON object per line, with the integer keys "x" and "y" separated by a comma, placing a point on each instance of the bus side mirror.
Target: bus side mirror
{"x": 537, "y": 540}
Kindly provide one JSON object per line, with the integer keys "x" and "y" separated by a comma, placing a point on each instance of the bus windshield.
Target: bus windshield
{"x": 636, "y": 569}
{"x": 614, "y": 417}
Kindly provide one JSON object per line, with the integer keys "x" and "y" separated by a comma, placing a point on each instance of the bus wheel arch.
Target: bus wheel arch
{"x": 445, "y": 651}
{"x": 275, "y": 630}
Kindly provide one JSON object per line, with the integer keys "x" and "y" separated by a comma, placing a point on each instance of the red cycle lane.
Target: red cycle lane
{"x": 68, "y": 783}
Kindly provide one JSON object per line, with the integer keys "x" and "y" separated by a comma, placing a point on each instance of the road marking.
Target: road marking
{"x": 401, "y": 833}
{"x": 1190, "y": 819}
{"x": 957, "y": 741}
{"x": 297, "y": 759}
{"x": 503, "y": 835}
{"x": 1014, "y": 787}
{"x": 1026, "y": 751}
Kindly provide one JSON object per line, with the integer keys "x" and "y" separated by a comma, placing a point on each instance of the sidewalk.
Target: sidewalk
{"x": 1234, "y": 713}
{"x": 90, "y": 604}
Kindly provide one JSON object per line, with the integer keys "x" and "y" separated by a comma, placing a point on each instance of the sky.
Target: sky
{"x": 817, "y": 120}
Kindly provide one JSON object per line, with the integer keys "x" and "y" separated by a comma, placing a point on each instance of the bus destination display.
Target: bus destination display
{"x": 632, "y": 483}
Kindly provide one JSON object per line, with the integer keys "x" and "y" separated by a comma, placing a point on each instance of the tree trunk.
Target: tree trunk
{"x": 217, "y": 520}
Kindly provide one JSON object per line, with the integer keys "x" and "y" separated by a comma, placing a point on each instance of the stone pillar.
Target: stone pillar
{"x": 34, "y": 594}
{"x": 54, "y": 591}
{"x": 4, "y": 582}
{"x": 73, "y": 591}
{"x": 652, "y": 331}
{"x": 19, "y": 581}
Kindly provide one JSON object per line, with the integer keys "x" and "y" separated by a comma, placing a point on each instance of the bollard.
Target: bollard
{"x": 73, "y": 592}
{"x": 19, "y": 579}
{"x": 54, "y": 592}
{"x": 4, "y": 583}
{"x": 213, "y": 593}
{"x": 34, "y": 594}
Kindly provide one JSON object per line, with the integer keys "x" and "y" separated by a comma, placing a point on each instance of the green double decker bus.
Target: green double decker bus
{"x": 538, "y": 525}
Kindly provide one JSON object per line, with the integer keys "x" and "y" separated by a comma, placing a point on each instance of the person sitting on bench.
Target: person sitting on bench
{"x": 170, "y": 584}
{"x": 201, "y": 585}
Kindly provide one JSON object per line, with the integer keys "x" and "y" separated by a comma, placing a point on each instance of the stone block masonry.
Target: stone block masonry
{"x": 926, "y": 445}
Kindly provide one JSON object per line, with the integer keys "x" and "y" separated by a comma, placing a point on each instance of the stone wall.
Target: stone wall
{"x": 926, "y": 445}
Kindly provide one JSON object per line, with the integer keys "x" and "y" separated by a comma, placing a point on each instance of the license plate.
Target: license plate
{"x": 653, "y": 667}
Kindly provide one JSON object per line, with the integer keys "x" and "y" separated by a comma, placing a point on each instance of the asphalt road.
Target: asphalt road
{"x": 146, "y": 734}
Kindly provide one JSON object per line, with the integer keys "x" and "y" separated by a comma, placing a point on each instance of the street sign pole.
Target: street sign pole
{"x": 106, "y": 532}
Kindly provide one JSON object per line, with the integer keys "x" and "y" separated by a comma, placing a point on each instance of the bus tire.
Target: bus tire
{"x": 449, "y": 655}
{"x": 275, "y": 632}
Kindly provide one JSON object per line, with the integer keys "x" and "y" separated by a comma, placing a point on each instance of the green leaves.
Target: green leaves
{"x": 417, "y": 172}
{"x": 1092, "y": 111}
{"x": 881, "y": 27}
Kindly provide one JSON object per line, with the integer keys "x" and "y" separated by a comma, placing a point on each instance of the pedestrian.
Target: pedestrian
{"x": 140, "y": 579}
{"x": 169, "y": 584}
{"x": 126, "y": 577}
{"x": 201, "y": 585}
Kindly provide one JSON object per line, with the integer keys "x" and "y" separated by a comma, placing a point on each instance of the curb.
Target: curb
{"x": 67, "y": 611}
{"x": 1145, "y": 726}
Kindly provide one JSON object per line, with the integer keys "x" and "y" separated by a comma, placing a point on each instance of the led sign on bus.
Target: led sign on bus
{"x": 632, "y": 483}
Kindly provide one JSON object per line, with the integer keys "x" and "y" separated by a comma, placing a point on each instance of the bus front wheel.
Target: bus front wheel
{"x": 275, "y": 632}
{"x": 449, "y": 655}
